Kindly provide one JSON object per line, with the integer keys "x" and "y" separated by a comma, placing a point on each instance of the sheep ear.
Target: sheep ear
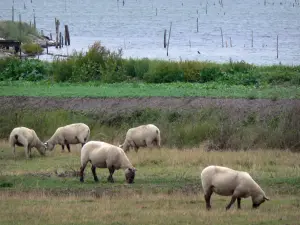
{"x": 266, "y": 198}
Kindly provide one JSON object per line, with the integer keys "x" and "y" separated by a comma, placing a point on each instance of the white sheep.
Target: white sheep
{"x": 104, "y": 155}
{"x": 23, "y": 136}
{"x": 141, "y": 136}
{"x": 228, "y": 182}
{"x": 75, "y": 133}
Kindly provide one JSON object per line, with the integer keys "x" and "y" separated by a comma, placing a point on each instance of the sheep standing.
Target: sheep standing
{"x": 141, "y": 136}
{"x": 228, "y": 182}
{"x": 75, "y": 133}
{"x": 23, "y": 136}
{"x": 104, "y": 155}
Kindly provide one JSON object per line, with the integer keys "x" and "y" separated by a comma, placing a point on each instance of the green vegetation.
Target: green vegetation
{"x": 14, "y": 30}
{"x": 167, "y": 190}
{"x": 32, "y": 49}
{"x": 220, "y": 129}
{"x": 103, "y": 66}
{"x": 95, "y": 89}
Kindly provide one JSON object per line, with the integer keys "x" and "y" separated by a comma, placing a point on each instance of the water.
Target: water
{"x": 137, "y": 29}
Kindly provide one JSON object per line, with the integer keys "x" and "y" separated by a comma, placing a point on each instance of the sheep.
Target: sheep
{"x": 228, "y": 182}
{"x": 104, "y": 155}
{"x": 70, "y": 134}
{"x": 23, "y": 136}
{"x": 141, "y": 136}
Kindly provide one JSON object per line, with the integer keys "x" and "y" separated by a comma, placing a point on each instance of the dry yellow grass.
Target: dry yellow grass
{"x": 167, "y": 189}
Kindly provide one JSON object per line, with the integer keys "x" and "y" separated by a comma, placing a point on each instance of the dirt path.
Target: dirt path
{"x": 117, "y": 105}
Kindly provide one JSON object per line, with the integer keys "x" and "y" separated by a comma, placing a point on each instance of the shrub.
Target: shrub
{"x": 32, "y": 49}
{"x": 29, "y": 70}
{"x": 164, "y": 72}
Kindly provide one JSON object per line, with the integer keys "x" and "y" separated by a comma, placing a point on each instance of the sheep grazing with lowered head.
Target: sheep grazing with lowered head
{"x": 141, "y": 136}
{"x": 76, "y": 133}
{"x": 104, "y": 155}
{"x": 23, "y": 136}
{"x": 228, "y": 182}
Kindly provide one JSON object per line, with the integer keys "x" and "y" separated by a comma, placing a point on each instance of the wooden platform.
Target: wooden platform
{"x": 10, "y": 43}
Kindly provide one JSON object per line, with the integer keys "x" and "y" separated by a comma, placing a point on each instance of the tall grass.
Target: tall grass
{"x": 102, "y": 65}
{"x": 15, "y": 31}
{"x": 217, "y": 128}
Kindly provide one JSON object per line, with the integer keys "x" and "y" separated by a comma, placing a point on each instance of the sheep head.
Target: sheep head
{"x": 49, "y": 146}
{"x": 130, "y": 174}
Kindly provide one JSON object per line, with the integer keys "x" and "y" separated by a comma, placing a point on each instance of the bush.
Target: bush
{"x": 163, "y": 72}
{"x": 29, "y": 70}
{"x": 32, "y": 49}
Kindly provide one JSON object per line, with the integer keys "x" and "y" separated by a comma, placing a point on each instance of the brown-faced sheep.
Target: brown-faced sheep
{"x": 23, "y": 136}
{"x": 77, "y": 133}
{"x": 141, "y": 136}
{"x": 228, "y": 182}
{"x": 104, "y": 155}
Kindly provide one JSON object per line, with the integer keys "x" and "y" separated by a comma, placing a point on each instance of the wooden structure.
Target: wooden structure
{"x": 11, "y": 43}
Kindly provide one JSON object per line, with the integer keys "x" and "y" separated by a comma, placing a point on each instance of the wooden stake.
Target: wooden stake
{"x": 165, "y": 38}
{"x": 67, "y": 35}
{"x": 20, "y": 28}
{"x": 222, "y": 37}
{"x": 230, "y": 42}
{"x": 34, "y": 20}
{"x": 155, "y": 11}
{"x": 206, "y": 8}
{"x": 57, "y": 32}
{"x": 169, "y": 39}
{"x": 277, "y": 46}
{"x": 252, "y": 39}
{"x": 197, "y": 26}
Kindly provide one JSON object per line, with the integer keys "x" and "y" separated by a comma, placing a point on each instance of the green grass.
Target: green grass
{"x": 145, "y": 90}
{"x": 11, "y": 30}
{"x": 167, "y": 189}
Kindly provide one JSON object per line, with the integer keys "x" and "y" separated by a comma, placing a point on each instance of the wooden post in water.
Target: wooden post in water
{"x": 277, "y": 46}
{"x": 197, "y": 26}
{"x": 169, "y": 39}
{"x": 165, "y": 38}
{"x": 230, "y": 42}
{"x": 20, "y": 28}
{"x": 50, "y": 36}
{"x": 60, "y": 40}
{"x": 222, "y": 37}
{"x": 155, "y": 11}
{"x": 12, "y": 14}
{"x": 252, "y": 39}
{"x": 34, "y": 20}
{"x": 206, "y": 8}
{"x": 57, "y": 32}
{"x": 67, "y": 35}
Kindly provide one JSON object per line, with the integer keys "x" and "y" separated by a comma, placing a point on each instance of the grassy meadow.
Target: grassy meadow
{"x": 93, "y": 89}
{"x": 167, "y": 188}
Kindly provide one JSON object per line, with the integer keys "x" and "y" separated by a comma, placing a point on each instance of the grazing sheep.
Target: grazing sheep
{"x": 104, "y": 155}
{"x": 228, "y": 182}
{"x": 141, "y": 136}
{"x": 23, "y": 136}
{"x": 70, "y": 134}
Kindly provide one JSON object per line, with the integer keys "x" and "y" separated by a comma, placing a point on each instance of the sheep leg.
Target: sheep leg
{"x": 207, "y": 197}
{"x": 81, "y": 172}
{"x": 239, "y": 203}
{"x": 14, "y": 151}
{"x": 68, "y": 147}
{"x": 111, "y": 172}
{"x": 29, "y": 152}
{"x": 62, "y": 148}
{"x": 26, "y": 151}
{"x": 231, "y": 202}
{"x": 93, "y": 168}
